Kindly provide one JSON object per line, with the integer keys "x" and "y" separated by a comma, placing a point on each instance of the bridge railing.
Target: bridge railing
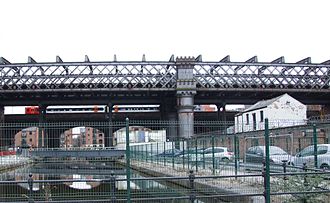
{"x": 190, "y": 187}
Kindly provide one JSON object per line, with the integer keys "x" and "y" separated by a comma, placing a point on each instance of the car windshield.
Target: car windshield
{"x": 171, "y": 151}
{"x": 276, "y": 151}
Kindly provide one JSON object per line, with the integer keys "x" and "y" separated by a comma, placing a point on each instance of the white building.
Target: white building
{"x": 281, "y": 111}
{"x": 138, "y": 135}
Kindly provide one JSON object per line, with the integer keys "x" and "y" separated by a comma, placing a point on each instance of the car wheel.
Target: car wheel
{"x": 325, "y": 166}
{"x": 225, "y": 159}
{"x": 290, "y": 164}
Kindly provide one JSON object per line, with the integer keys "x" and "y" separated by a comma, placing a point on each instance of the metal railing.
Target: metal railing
{"x": 192, "y": 188}
{"x": 159, "y": 165}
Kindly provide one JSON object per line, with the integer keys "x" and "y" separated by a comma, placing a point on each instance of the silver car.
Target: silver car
{"x": 277, "y": 155}
{"x": 307, "y": 156}
{"x": 222, "y": 153}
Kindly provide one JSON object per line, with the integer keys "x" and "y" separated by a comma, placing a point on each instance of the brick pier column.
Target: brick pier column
{"x": 185, "y": 91}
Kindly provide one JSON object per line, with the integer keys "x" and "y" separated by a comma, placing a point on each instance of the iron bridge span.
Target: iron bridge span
{"x": 148, "y": 82}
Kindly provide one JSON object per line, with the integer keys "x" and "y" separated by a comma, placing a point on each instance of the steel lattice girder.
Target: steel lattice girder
{"x": 159, "y": 76}
{"x": 249, "y": 75}
{"x": 87, "y": 75}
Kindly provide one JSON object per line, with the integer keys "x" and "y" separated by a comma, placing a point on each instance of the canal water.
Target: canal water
{"x": 45, "y": 187}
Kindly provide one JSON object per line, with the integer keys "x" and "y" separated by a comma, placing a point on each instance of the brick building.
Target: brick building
{"x": 82, "y": 137}
{"x": 29, "y": 137}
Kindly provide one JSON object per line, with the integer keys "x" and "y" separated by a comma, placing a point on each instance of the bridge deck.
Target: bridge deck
{"x": 110, "y": 153}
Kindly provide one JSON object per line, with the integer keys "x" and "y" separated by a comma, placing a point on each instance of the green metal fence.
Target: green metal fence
{"x": 280, "y": 162}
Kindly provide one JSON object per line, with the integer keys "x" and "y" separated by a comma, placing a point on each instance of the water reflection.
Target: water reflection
{"x": 77, "y": 189}
{"x": 81, "y": 185}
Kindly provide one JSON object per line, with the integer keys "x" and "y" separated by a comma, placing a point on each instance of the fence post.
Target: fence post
{"x": 150, "y": 153}
{"x": 236, "y": 155}
{"x": 113, "y": 187}
{"x": 267, "y": 171}
{"x": 284, "y": 169}
{"x": 141, "y": 152}
{"x": 173, "y": 154}
{"x": 157, "y": 152}
{"x": 128, "y": 167}
{"x": 133, "y": 152}
{"x": 164, "y": 156}
{"x": 203, "y": 152}
{"x": 146, "y": 148}
{"x": 196, "y": 158}
{"x": 305, "y": 176}
{"x": 30, "y": 183}
{"x": 213, "y": 158}
{"x": 315, "y": 145}
{"x": 188, "y": 153}
{"x": 192, "y": 195}
{"x": 183, "y": 153}
{"x": 263, "y": 173}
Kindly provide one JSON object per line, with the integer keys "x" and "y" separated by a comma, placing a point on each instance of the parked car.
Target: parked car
{"x": 191, "y": 153}
{"x": 222, "y": 153}
{"x": 277, "y": 155}
{"x": 307, "y": 156}
{"x": 170, "y": 153}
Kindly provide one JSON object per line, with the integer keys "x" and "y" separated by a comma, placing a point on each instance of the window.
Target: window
{"x": 261, "y": 116}
{"x": 247, "y": 119}
{"x": 207, "y": 151}
{"x": 218, "y": 150}
{"x": 254, "y": 121}
{"x": 322, "y": 150}
{"x": 259, "y": 151}
{"x": 251, "y": 150}
{"x": 308, "y": 151}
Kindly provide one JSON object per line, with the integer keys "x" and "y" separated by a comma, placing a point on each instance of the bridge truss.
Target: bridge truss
{"x": 142, "y": 76}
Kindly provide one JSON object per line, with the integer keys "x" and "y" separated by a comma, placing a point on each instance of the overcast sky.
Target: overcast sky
{"x": 71, "y": 29}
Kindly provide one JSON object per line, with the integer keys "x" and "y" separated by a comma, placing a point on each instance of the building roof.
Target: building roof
{"x": 29, "y": 129}
{"x": 263, "y": 103}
